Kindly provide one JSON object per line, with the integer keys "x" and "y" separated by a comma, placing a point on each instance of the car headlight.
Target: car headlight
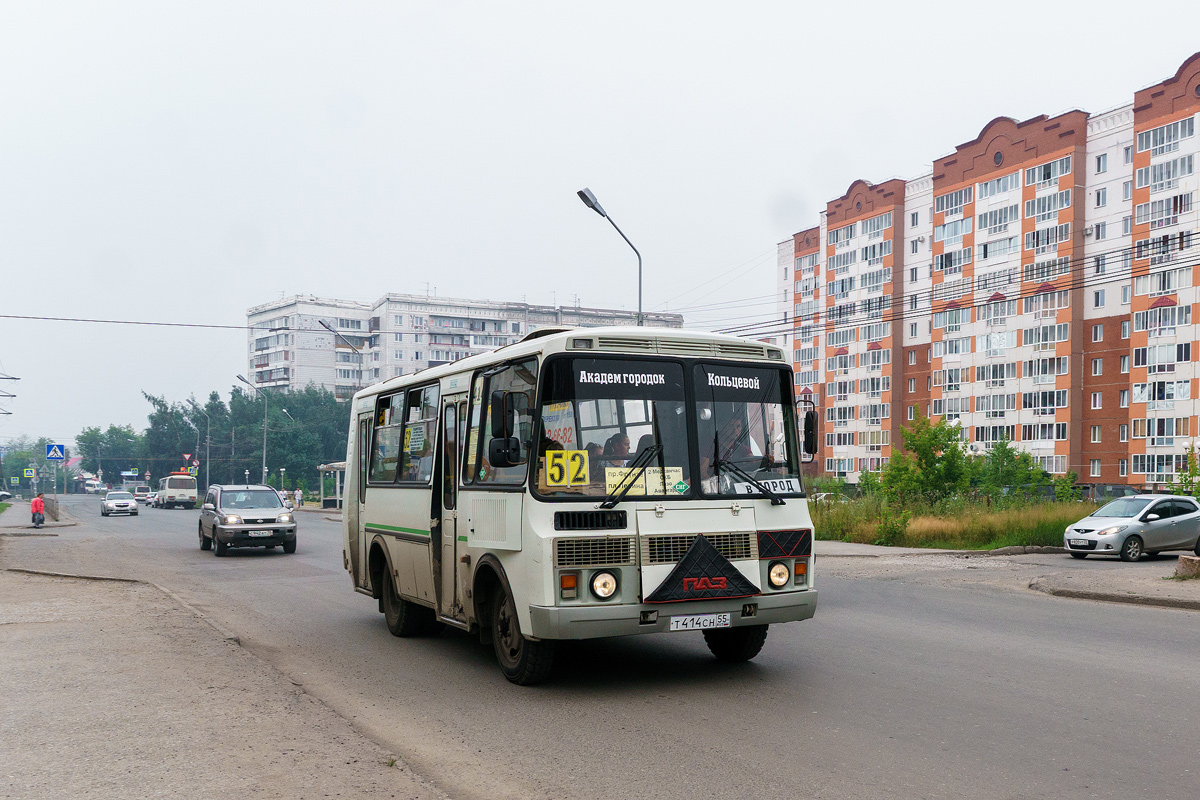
{"x": 285, "y": 518}
{"x": 604, "y": 585}
{"x": 232, "y": 519}
{"x": 778, "y": 574}
{"x": 1109, "y": 531}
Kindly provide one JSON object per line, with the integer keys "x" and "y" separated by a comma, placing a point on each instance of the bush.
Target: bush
{"x": 892, "y": 527}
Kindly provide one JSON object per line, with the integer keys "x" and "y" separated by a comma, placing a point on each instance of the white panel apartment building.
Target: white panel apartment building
{"x": 1036, "y": 285}
{"x": 396, "y": 335}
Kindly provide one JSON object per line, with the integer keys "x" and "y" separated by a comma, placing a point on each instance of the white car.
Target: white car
{"x": 118, "y": 503}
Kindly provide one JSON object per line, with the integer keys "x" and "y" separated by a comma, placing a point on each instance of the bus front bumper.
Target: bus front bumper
{"x": 594, "y": 621}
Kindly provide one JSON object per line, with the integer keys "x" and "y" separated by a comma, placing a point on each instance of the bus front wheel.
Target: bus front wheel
{"x": 736, "y": 644}
{"x": 522, "y": 661}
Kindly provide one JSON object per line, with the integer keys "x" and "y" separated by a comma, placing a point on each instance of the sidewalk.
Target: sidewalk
{"x": 116, "y": 690}
{"x": 17, "y": 517}
{"x": 1117, "y": 583}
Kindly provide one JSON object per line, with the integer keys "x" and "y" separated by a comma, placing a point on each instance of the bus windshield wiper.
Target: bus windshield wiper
{"x": 732, "y": 466}
{"x": 636, "y": 469}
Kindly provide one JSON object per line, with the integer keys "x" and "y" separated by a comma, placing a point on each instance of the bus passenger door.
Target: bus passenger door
{"x": 450, "y": 604}
{"x": 355, "y": 497}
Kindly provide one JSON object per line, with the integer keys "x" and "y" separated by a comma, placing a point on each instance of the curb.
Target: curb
{"x": 49, "y": 574}
{"x": 1016, "y": 550}
{"x": 24, "y": 535}
{"x": 226, "y": 634}
{"x": 1111, "y": 597}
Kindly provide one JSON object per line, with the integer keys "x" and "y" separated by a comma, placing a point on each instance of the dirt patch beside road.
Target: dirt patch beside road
{"x": 114, "y": 690}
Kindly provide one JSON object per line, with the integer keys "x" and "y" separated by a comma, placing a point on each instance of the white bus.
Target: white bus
{"x": 177, "y": 489}
{"x": 584, "y": 483}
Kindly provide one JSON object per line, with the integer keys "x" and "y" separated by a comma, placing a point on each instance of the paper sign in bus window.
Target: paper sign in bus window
{"x": 661, "y": 482}
{"x": 567, "y": 468}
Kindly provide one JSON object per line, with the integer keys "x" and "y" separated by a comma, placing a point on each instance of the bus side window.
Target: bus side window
{"x": 520, "y": 381}
{"x": 386, "y": 441}
{"x": 471, "y": 461}
{"x": 450, "y": 452}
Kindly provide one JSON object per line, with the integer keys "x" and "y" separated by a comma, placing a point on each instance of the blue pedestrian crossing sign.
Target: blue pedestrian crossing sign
{"x": 54, "y": 452}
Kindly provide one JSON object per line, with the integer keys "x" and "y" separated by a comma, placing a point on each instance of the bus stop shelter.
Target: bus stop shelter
{"x": 338, "y": 470}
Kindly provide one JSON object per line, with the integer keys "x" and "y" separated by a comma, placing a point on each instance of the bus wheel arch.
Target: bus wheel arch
{"x": 489, "y": 576}
{"x": 378, "y": 565}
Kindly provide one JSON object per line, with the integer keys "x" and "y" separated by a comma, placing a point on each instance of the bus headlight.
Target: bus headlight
{"x": 604, "y": 585}
{"x": 778, "y": 574}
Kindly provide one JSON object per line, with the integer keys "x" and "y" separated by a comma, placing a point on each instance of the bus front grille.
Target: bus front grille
{"x": 590, "y": 521}
{"x": 598, "y": 551}
{"x": 669, "y": 548}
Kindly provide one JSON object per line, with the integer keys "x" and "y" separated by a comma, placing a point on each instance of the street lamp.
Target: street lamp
{"x": 591, "y": 202}
{"x": 207, "y": 437}
{"x": 264, "y": 459}
{"x": 289, "y": 416}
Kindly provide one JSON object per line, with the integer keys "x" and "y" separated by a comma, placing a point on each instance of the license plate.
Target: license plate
{"x": 700, "y": 622}
{"x": 259, "y": 533}
{"x": 1078, "y": 542}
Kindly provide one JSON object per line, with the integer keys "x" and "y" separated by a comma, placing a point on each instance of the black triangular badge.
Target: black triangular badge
{"x": 702, "y": 574}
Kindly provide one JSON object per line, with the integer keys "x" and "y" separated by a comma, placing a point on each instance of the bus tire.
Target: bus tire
{"x": 736, "y": 644}
{"x": 404, "y": 619}
{"x": 523, "y": 661}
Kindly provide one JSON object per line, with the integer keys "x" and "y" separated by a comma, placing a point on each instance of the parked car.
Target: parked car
{"x": 245, "y": 516}
{"x": 4, "y": 495}
{"x": 118, "y": 503}
{"x": 1130, "y": 527}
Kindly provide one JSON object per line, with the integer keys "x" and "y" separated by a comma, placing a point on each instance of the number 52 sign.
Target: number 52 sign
{"x": 567, "y": 468}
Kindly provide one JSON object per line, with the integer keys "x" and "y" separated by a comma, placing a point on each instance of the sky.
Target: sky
{"x": 181, "y": 162}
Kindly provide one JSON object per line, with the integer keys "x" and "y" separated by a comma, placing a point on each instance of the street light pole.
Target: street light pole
{"x": 591, "y": 202}
{"x": 207, "y": 438}
{"x": 349, "y": 344}
{"x": 264, "y": 396}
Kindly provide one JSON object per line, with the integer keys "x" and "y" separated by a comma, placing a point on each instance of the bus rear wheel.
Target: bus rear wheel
{"x": 736, "y": 644}
{"x": 524, "y": 662}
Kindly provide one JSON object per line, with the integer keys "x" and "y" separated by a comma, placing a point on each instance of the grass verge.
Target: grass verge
{"x": 955, "y": 524}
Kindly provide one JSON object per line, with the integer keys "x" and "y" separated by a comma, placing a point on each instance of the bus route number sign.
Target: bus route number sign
{"x": 567, "y": 468}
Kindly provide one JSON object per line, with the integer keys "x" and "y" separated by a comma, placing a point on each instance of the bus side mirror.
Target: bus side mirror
{"x": 504, "y": 449}
{"x": 810, "y": 432}
{"x": 502, "y": 414}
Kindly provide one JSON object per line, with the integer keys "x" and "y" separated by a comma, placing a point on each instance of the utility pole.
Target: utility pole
{"x": 207, "y": 439}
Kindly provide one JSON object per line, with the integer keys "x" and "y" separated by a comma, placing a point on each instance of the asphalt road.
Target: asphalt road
{"x": 898, "y": 688}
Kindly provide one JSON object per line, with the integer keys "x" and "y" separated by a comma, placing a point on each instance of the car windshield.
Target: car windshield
{"x": 599, "y": 415}
{"x": 746, "y": 426}
{"x": 250, "y": 498}
{"x": 1125, "y": 507}
{"x": 119, "y": 496}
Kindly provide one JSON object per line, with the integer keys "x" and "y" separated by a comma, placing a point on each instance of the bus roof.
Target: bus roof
{"x": 617, "y": 340}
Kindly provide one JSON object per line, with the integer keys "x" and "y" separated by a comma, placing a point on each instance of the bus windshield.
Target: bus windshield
{"x": 600, "y": 415}
{"x": 746, "y": 426}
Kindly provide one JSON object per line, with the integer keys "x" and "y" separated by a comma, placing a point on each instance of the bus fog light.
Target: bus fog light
{"x": 778, "y": 574}
{"x": 604, "y": 585}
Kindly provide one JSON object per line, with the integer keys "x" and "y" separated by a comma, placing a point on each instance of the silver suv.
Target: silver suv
{"x": 245, "y": 516}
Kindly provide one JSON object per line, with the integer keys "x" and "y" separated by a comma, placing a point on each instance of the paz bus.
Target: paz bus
{"x": 177, "y": 489}
{"x": 585, "y": 483}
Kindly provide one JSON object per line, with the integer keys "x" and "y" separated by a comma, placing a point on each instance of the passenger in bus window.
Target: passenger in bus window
{"x": 616, "y": 449}
{"x": 595, "y": 465}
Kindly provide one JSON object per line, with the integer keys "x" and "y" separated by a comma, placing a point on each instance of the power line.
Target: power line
{"x": 128, "y": 322}
{"x": 853, "y": 320}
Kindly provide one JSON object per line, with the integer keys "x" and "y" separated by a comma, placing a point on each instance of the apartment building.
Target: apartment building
{"x": 1037, "y": 285}
{"x": 398, "y": 334}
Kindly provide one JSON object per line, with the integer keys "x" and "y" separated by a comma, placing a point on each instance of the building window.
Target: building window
{"x": 785, "y": 273}
{"x": 1098, "y": 299}
{"x": 1127, "y": 190}
{"x": 1101, "y": 230}
{"x": 1097, "y": 366}
{"x": 1102, "y": 163}
{"x": 912, "y": 248}
{"x": 912, "y": 384}
{"x": 912, "y": 412}
{"x": 1097, "y": 400}
{"x": 417, "y": 355}
{"x": 1097, "y": 332}
{"x": 912, "y": 357}
{"x": 1095, "y": 468}
{"x": 1124, "y": 398}
{"x": 1122, "y": 467}
{"x": 1125, "y": 325}
{"x": 1124, "y": 365}
{"x": 1129, "y": 154}
{"x": 1124, "y": 430}
{"x": 1101, "y": 197}
{"x": 397, "y": 337}
{"x": 1098, "y": 263}
{"x": 1095, "y": 434}
{"x": 1125, "y": 295}
{"x": 913, "y": 218}
{"x": 912, "y": 329}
